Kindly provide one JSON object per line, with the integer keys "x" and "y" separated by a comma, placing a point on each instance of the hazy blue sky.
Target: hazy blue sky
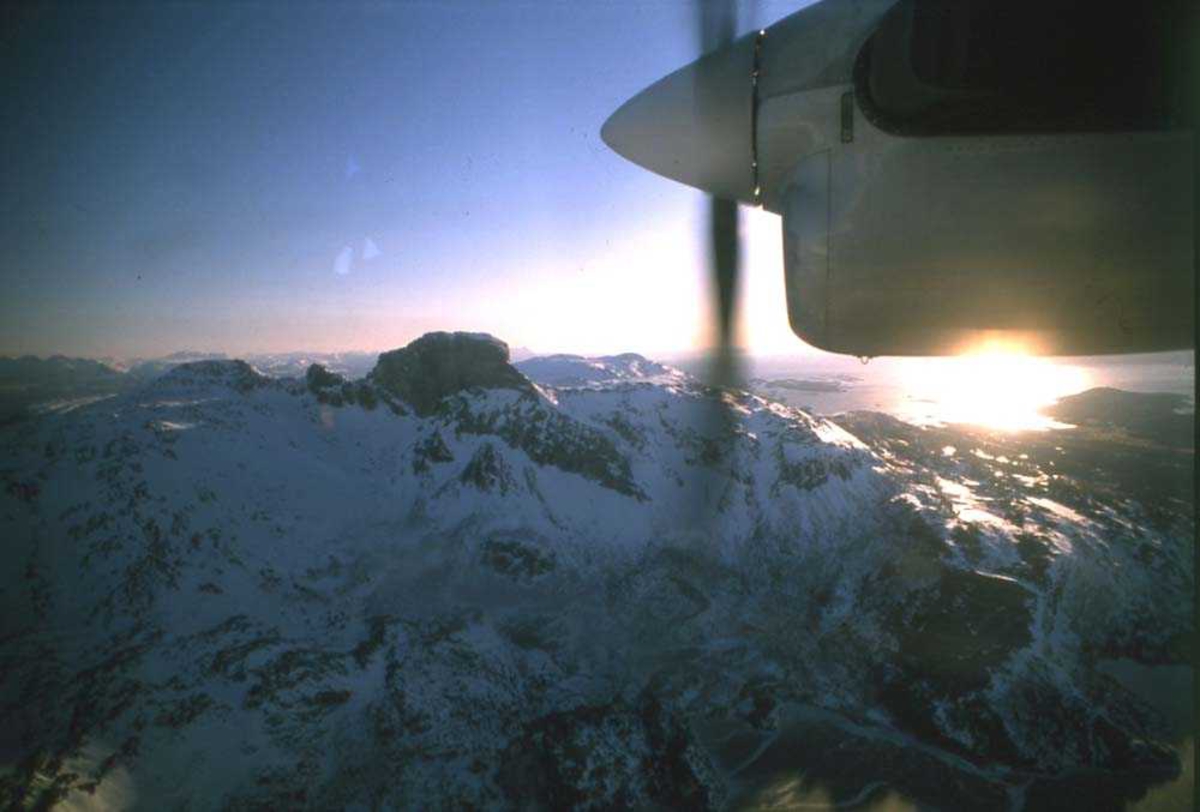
{"x": 268, "y": 176}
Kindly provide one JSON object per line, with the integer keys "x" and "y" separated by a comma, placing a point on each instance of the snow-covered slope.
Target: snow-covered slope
{"x": 577, "y": 370}
{"x": 445, "y": 586}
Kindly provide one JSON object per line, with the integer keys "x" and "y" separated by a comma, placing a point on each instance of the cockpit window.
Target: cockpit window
{"x": 1004, "y": 66}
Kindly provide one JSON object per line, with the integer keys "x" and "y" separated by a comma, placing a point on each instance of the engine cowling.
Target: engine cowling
{"x": 983, "y": 179}
{"x": 1064, "y": 245}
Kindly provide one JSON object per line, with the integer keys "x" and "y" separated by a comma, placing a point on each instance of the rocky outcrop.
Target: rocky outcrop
{"x": 440, "y": 364}
{"x": 319, "y": 379}
{"x": 487, "y": 471}
{"x": 237, "y": 375}
{"x": 549, "y": 438}
{"x": 334, "y": 390}
{"x": 612, "y": 756}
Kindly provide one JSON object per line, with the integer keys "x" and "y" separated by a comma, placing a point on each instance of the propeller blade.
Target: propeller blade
{"x": 724, "y": 259}
{"x": 717, "y": 20}
{"x": 717, "y": 25}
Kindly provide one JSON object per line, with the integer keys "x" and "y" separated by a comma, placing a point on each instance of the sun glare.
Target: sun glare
{"x": 995, "y": 388}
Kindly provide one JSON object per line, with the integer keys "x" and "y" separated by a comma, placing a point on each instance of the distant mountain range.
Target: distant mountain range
{"x": 29, "y": 384}
{"x": 458, "y": 583}
{"x": 577, "y": 370}
{"x": 801, "y": 385}
{"x": 277, "y": 365}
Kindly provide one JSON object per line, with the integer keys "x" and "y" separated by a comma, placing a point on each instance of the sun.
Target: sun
{"x": 994, "y": 387}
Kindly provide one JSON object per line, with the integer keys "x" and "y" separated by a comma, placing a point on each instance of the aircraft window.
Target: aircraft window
{"x": 973, "y": 66}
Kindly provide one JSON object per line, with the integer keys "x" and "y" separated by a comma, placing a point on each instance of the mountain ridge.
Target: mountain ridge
{"x": 509, "y": 588}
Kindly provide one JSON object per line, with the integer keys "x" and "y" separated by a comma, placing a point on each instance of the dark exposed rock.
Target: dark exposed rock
{"x": 816, "y": 754}
{"x": 238, "y": 375}
{"x": 377, "y": 626}
{"x": 326, "y": 385}
{"x": 184, "y": 711}
{"x": 806, "y": 475}
{"x": 319, "y": 378}
{"x": 965, "y": 627}
{"x": 289, "y": 670}
{"x": 440, "y": 364}
{"x": 533, "y": 632}
{"x": 516, "y": 559}
{"x": 430, "y": 451}
{"x": 551, "y": 438}
{"x": 954, "y": 628}
{"x": 1035, "y": 554}
{"x": 488, "y": 471}
{"x": 335, "y": 390}
{"x": 364, "y": 394}
{"x": 612, "y": 756}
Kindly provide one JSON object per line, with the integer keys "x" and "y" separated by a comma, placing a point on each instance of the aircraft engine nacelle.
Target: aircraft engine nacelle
{"x": 953, "y": 173}
{"x": 1065, "y": 245}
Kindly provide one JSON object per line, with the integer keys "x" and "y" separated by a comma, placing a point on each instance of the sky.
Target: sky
{"x": 255, "y": 177}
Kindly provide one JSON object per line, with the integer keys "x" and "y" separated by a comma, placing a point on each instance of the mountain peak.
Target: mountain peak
{"x": 236, "y": 374}
{"x": 440, "y": 364}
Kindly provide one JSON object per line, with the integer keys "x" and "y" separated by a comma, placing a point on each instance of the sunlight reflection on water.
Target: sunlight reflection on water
{"x": 997, "y": 390}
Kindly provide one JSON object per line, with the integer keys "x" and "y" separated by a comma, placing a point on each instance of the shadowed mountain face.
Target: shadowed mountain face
{"x": 27, "y": 383}
{"x": 443, "y": 586}
{"x": 441, "y": 364}
{"x": 55, "y": 372}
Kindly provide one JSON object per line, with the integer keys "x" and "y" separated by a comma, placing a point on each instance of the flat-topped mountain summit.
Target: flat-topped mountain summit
{"x": 441, "y": 364}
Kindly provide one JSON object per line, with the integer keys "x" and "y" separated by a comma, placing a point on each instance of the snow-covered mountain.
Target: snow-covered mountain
{"x": 293, "y": 364}
{"x": 576, "y": 370}
{"x": 448, "y": 585}
{"x": 351, "y": 364}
